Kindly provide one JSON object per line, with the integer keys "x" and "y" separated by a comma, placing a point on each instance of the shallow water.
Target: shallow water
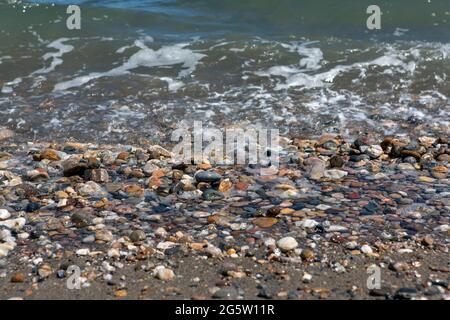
{"x": 139, "y": 68}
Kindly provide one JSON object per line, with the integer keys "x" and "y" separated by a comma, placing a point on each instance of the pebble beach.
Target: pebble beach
{"x": 140, "y": 225}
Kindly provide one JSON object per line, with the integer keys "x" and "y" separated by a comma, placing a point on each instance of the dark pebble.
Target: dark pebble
{"x": 207, "y": 176}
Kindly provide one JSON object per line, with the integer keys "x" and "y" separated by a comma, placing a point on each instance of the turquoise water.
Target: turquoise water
{"x": 137, "y": 68}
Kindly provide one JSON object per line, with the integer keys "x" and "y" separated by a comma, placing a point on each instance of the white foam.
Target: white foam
{"x": 301, "y": 76}
{"x": 55, "y": 56}
{"x": 400, "y": 32}
{"x": 145, "y": 57}
{"x": 8, "y": 86}
{"x": 311, "y": 57}
{"x": 4, "y": 58}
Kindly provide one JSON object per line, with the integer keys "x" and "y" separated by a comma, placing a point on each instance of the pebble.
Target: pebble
{"x": 4, "y": 214}
{"x": 287, "y": 244}
{"x": 212, "y": 195}
{"x": 73, "y": 166}
{"x": 83, "y": 252}
{"x": 45, "y": 270}
{"x": 405, "y": 293}
{"x": 374, "y": 151}
{"x": 336, "y": 162}
{"x": 366, "y": 249}
{"x": 265, "y": 222}
{"x": 335, "y": 174}
{"x": 307, "y": 255}
{"x": 138, "y": 235}
{"x": 18, "y": 278}
{"x": 15, "y": 224}
{"x": 207, "y": 176}
{"x": 149, "y": 168}
{"x": 122, "y": 293}
{"x": 315, "y": 168}
{"x": 163, "y": 273}
{"x": 427, "y": 241}
{"x": 50, "y": 154}
{"x": 308, "y": 224}
{"x": 99, "y": 175}
{"x": 104, "y": 235}
{"x": 91, "y": 189}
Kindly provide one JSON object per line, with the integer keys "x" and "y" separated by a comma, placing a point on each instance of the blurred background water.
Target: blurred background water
{"x": 139, "y": 68}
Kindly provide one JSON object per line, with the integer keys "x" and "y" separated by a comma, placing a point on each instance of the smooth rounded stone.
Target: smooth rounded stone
{"x": 18, "y": 278}
{"x": 103, "y": 235}
{"x": 81, "y": 220}
{"x": 15, "y": 224}
{"x": 88, "y": 239}
{"x": 201, "y": 214}
{"x": 98, "y": 175}
{"x": 74, "y": 167}
{"x": 212, "y": 195}
{"x": 38, "y": 175}
{"x": 156, "y": 152}
{"x": 442, "y": 228}
{"x": 382, "y": 292}
{"x": 371, "y": 208}
{"x": 315, "y": 168}
{"x": 207, "y": 176}
{"x": 6, "y": 134}
{"x": 399, "y": 266}
{"x": 91, "y": 189}
{"x": 265, "y": 222}
{"x": 23, "y": 236}
{"x": 307, "y": 223}
{"x": 138, "y": 235}
{"x": 213, "y": 251}
{"x": 190, "y": 195}
{"x": 410, "y": 160}
{"x": 351, "y": 245}
{"x": 307, "y": 255}
{"x": 4, "y": 249}
{"x": 5, "y": 235}
{"x": 83, "y": 252}
{"x": 45, "y": 270}
{"x": 405, "y": 167}
{"x": 336, "y": 162}
{"x": 366, "y": 249}
{"x": 336, "y": 228}
{"x": 443, "y": 157}
{"x": 287, "y": 244}
{"x": 163, "y": 273}
{"x": 335, "y": 174}
{"x": 4, "y": 214}
{"x": 32, "y": 207}
{"x": 50, "y": 154}
{"x": 374, "y": 151}
{"x": 150, "y": 167}
{"x": 405, "y": 293}
{"x": 427, "y": 241}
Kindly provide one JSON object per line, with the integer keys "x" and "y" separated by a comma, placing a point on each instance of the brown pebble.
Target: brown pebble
{"x": 307, "y": 254}
{"x": 18, "y": 278}
{"x": 121, "y": 293}
{"x": 427, "y": 241}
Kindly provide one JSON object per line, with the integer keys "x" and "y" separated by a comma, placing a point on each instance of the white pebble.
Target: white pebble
{"x": 287, "y": 244}
{"x": 366, "y": 249}
{"x": 4, "y": 214}
{"x": 163, "y": 273}
{"x": 16, "y": 224}
{"x": 82, "y": 252}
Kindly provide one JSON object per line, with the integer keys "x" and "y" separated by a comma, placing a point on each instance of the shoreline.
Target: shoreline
{"x": 141, "y": 226}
